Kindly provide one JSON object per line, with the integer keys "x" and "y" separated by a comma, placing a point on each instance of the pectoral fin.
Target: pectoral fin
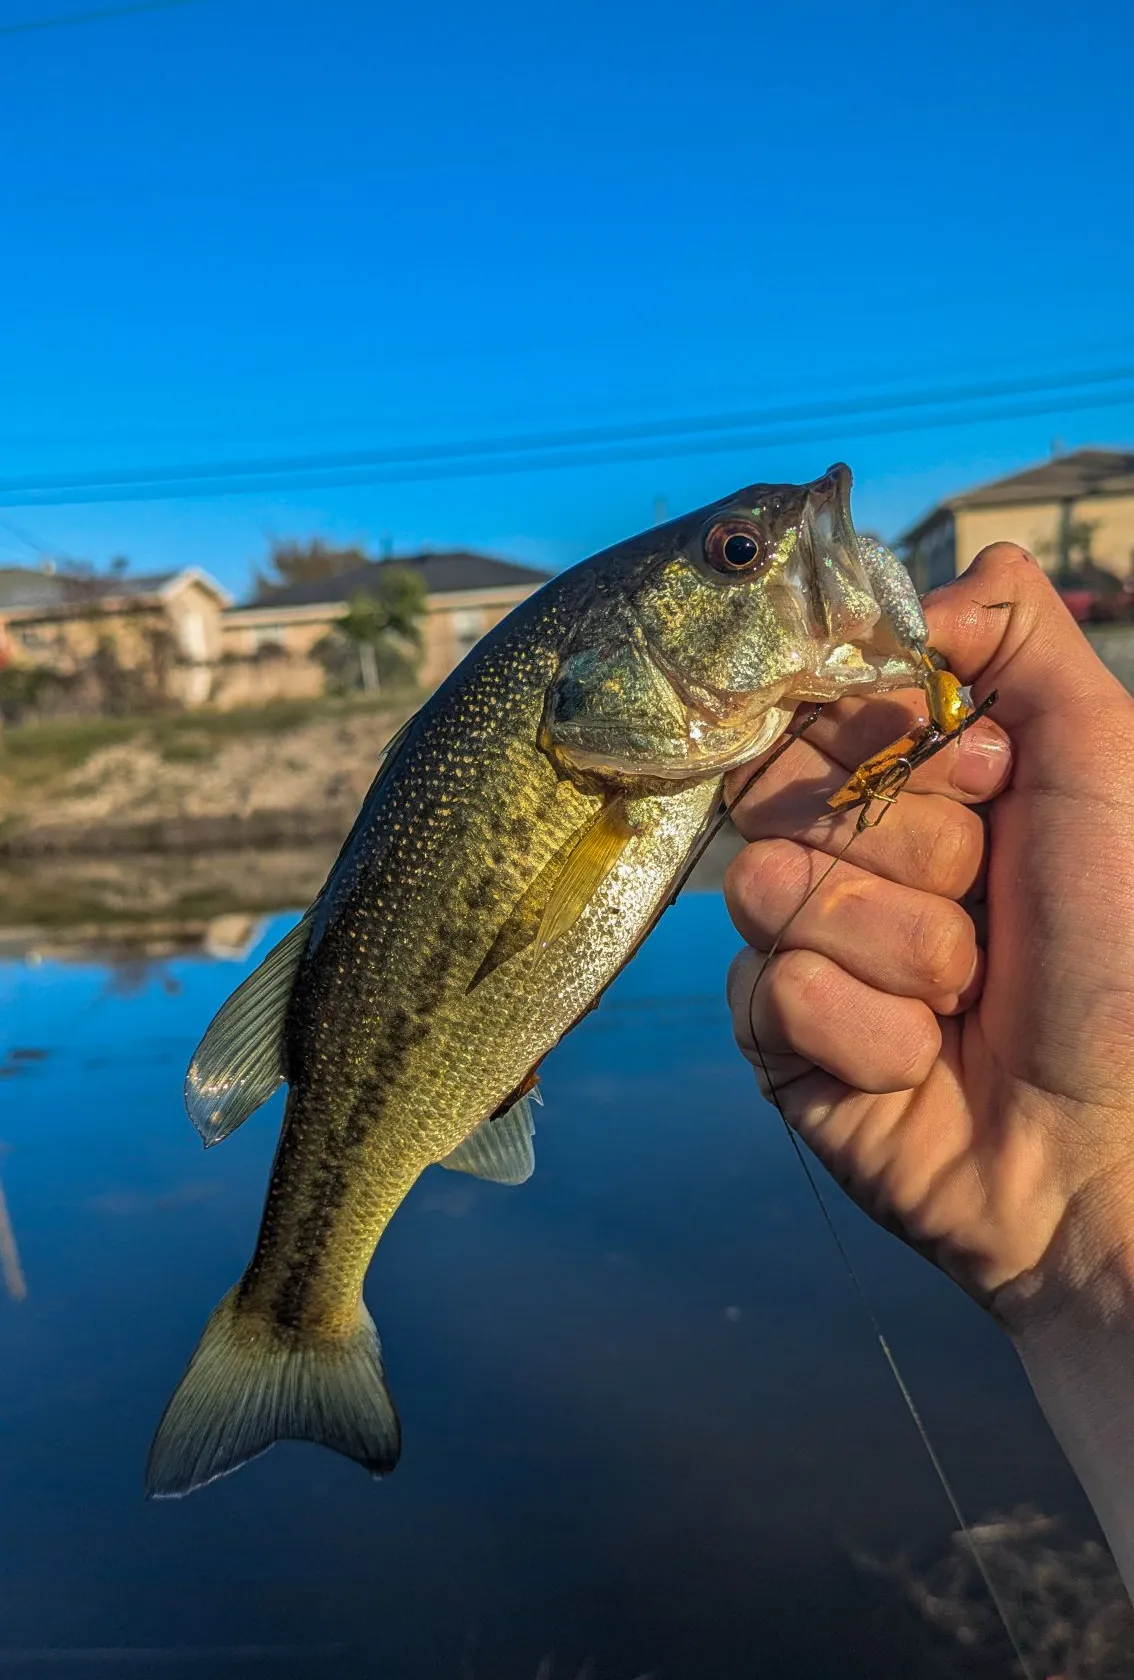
{"x": 589, "y": 863}
{"x": 563, "y": 888}
{"x": 499, "y": 1150}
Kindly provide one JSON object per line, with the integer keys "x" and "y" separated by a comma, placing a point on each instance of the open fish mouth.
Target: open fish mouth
{"x": 840, "y": 603}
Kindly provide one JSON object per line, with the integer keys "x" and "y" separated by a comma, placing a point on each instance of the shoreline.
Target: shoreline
{"x": 174, "y": 835}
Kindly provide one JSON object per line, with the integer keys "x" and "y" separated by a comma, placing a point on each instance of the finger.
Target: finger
{"x": 879, "y": 1150}
{"x": 896, "y": 938}
{"x": 971, "y": 770}
{"x": 926, "y": 840}
{"x": 975, "y": 766}
{"x": 803, "y": 1005}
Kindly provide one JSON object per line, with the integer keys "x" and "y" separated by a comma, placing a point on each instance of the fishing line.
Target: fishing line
{"x": 859, "y": 1287}
{"x": 795, "y": 733}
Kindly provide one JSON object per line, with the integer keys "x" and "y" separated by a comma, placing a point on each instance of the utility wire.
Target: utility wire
{"x": 26, "y": 540}
{"x": 413, "y": 455}
{"x": 211, "y": 483}
{"x": 71, "y": 19}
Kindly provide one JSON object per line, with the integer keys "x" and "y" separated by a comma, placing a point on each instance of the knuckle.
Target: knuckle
{"x": 949, "y": 855}
{"x": 916, "y": 1055}
{"x": 767, "y": 877}
{"x": 798, "y": 985}
{"x": 785, "y": 868}
{"x": 943, "y": 943}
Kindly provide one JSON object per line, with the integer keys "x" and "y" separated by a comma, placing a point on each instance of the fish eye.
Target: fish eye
{"x": 734, "y": 545}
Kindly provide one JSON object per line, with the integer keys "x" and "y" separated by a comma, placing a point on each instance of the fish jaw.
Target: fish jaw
{"x": 709, "y": 748}
{"x": 866, "y": 633}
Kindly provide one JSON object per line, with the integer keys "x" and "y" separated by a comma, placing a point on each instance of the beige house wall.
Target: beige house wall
{"x": 1035, "y": 526}
{"x": 193, "y": 615}
{"x": 454, "y": 622}
{"x": 65, "y": 638}
{"x": 248, "y": 631}
{"x": 213, "y": 657}
{"x": 65, "y": 644}
{"x": 257, "y": 682}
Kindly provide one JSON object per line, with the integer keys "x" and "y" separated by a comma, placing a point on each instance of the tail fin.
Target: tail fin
{"x": 246, "y": 1388}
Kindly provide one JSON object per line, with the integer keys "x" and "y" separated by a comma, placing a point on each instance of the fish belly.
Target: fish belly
{"x": 374, "y": 1109}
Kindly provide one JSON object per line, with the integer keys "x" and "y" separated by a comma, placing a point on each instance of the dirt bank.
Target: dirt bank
{"x": 188, "y": 784}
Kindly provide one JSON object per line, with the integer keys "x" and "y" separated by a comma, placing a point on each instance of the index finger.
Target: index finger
{"x": 797, "y": 785}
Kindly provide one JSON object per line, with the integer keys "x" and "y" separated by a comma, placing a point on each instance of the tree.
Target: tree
{"x": 1070, "y": 549}
{"x": 383, "y": 626}
{"x": 306, "y": 562}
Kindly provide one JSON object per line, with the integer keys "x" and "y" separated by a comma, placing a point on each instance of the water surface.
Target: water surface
{"x": 645, "y": 1420}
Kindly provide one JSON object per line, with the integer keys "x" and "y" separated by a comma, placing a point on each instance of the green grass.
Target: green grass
{"x": 35, "y": 754}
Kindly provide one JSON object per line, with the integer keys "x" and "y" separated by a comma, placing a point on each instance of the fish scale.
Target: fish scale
{"x": 518, "y": 843}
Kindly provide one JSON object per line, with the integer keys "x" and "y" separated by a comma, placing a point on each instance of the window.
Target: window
{"x": 194, "y": 640}
{"x": 468, "y": 627}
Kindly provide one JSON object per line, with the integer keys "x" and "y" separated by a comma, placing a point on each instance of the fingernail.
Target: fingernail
{"x": 970, "y": 992}
{"x": 981, "y": 761}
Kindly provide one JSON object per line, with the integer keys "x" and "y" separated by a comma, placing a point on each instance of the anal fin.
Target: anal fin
{"x": 500, "y": 1149}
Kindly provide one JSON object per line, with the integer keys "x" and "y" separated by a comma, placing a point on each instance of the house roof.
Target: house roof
{"x": 441, "y": 574}
{"x": 1085, "y": 472}
{"x": 26, "y": 591}
{"x": 22, "y": 587}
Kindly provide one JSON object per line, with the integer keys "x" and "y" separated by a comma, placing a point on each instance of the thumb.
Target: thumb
{"x": 1002, "y": 625}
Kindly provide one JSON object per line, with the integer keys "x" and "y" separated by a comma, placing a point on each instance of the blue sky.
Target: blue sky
{"x": 236, "y": 229}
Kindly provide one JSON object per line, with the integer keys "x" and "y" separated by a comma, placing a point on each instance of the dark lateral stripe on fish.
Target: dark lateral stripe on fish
{"x": 288, "y": 1294}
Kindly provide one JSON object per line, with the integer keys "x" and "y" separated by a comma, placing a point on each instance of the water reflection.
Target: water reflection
{"x": 1065, "y": 1600}
{"x": 139, "y": 908}
{"x": 645, "y": 1424}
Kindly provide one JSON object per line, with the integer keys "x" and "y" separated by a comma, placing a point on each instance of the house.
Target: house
{"x": 1075, "y": 513}
{"x": 466, "y": 594}
{"x": 178, "y": 636}
{"x": 165, "y": 627}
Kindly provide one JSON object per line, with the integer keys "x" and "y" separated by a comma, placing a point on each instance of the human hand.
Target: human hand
{"x": 973, "y": 1091}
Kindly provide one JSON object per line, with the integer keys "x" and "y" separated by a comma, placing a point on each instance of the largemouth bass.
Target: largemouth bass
{"x": 520, "y": 839}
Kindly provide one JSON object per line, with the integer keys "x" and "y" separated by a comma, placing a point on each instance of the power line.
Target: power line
{"x": 216, "y": 487}
{"x": 25, "y": 539}
{"x": 540, "y": 443}
{"x": 105, "y": 12}
{"x": 28, "y": 539}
